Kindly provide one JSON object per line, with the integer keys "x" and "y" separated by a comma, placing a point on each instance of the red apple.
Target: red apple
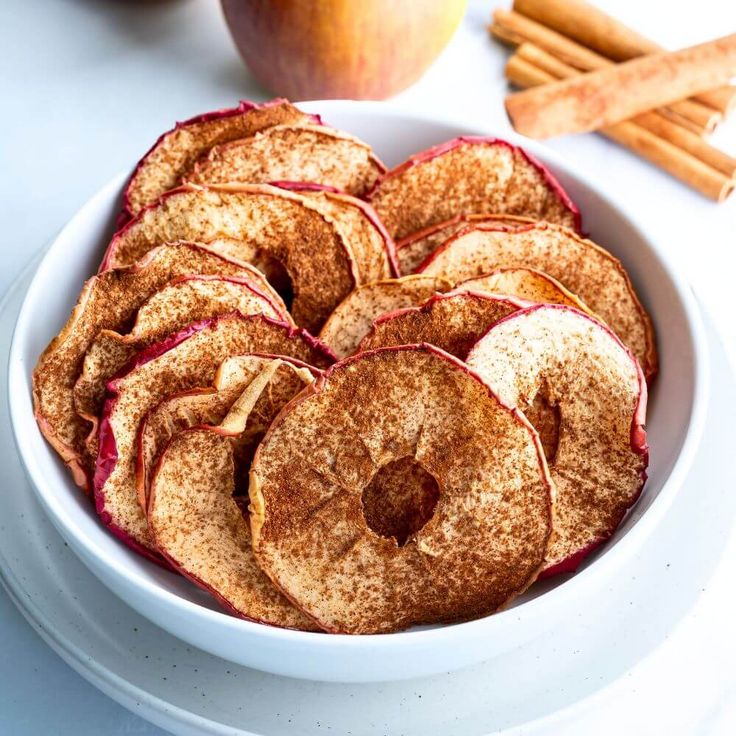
{"x": 306, "y": 49}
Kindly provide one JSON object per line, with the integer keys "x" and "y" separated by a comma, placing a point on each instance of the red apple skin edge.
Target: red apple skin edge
{"x": 244, "y": 107}
{"x": 107, "y": 456}
{"x": 176, "y": 566}
{"x": 484, "y": 226}
{"x": 430, "y": 153}
{"x": 233, "y": 280}
{"x": 318, "y": 384}
{"x": 73, "y": 459}
{"x": 340, "y": 49}
{"x": 140, "y": 457}
{"x": 431, "y": 229}
{"x": 637, "y": 441}
{"x": 112, "y": 247}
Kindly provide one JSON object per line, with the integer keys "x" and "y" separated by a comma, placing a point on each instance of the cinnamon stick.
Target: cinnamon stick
{"x": 674, "y": 160}
{"x": 596, "y": 30}
{"x": 652, "y": 121}
{"x": 610, "y": 95}
{"x": 513, "y": 28}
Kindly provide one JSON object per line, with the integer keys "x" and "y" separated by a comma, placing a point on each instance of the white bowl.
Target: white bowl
{"x": 675, "y": 421}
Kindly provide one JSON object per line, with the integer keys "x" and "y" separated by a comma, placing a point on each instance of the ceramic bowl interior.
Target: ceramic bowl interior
{"x": 675, "y": 417}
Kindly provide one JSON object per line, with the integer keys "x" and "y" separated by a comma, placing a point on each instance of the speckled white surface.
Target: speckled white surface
{"x": 94, "y": 81}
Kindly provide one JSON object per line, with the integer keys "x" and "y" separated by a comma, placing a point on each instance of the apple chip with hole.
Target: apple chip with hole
{"x": 195, "y": 519}
{"x": 469, "y": 175}
{"x": 211, "y": 405}
{"x": 186, "y": 360}
{"x": 419, "y": 414}
{"x": 453, "y": 322}
{"x": 414, "y": 249}
{"x": 176, "y": 152}
{"x": 585, "y": 392}
{"x": 584, "y": 268}
{"x": 352, "y": 319}
{"x": 525, "y": 283}
{"x": 264, "y": 225}
{"x": 110, "y": 301}
{"x": 179, "y": 303}
{"x": 309, "y": 153}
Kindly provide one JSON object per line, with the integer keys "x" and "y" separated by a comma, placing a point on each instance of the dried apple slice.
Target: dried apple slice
{"x": 109, "y": 301}
{"x": 211, "y": 405}
{"x": 583, "y": 267}
{"x": 372, "y": 247}
{"x": 525, "y": 283}
{"x": 256, "y": 222}
{"x": 469, "y": 175}
{"x": 179, "y": 303}
{"x": 558, "y": 358}
{"x": 414, "y": 249}
{"x": 352, "y": 319}
{"x": 196, "y": 522}
{"x": 174, "y": 154}
{"x": 425, "y": 410}
{"x": 310, "y": 153}
{"x": 453, "y": 322}
{"x": 178, "y": 363}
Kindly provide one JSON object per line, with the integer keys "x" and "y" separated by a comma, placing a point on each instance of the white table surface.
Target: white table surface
{"x": 87, "y": 85}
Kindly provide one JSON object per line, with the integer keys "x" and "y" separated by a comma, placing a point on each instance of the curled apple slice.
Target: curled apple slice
{"x": 309, "y": 153}
{"x": 181, "y": 302}
{"x": 454, "y": 322}
{"x": 254, "y": 223}
{"x": 178, "y": 363}
{"x": 372, "y": 247}
{"x": 211, "y": 405}
{"x": 525, "y": 283}
{"x": 469, "y": 175}
{"x": 584, "y": 268}
{"x": 414, "y": 249}
{"x": 416, "y": 413}
{"x": 566, "y": 370}
{"x": 352, "y": 319}
{"x": 196, "y": 521}
{"x": 174, "y": 154}
{"x": 110, "y": 301}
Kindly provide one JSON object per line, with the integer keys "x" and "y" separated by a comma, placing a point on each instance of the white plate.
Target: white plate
{"x": 189, "y": 692}
{"x": 674, "y": 422}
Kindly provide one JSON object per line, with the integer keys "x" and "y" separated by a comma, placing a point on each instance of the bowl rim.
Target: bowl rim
{"x": 18, "y": 385}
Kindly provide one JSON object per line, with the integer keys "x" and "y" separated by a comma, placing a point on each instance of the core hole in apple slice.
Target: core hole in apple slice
{"x": 400, "y": 499}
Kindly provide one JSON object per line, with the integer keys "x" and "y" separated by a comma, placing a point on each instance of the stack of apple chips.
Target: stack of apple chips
{"x": 346, "y": 399}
